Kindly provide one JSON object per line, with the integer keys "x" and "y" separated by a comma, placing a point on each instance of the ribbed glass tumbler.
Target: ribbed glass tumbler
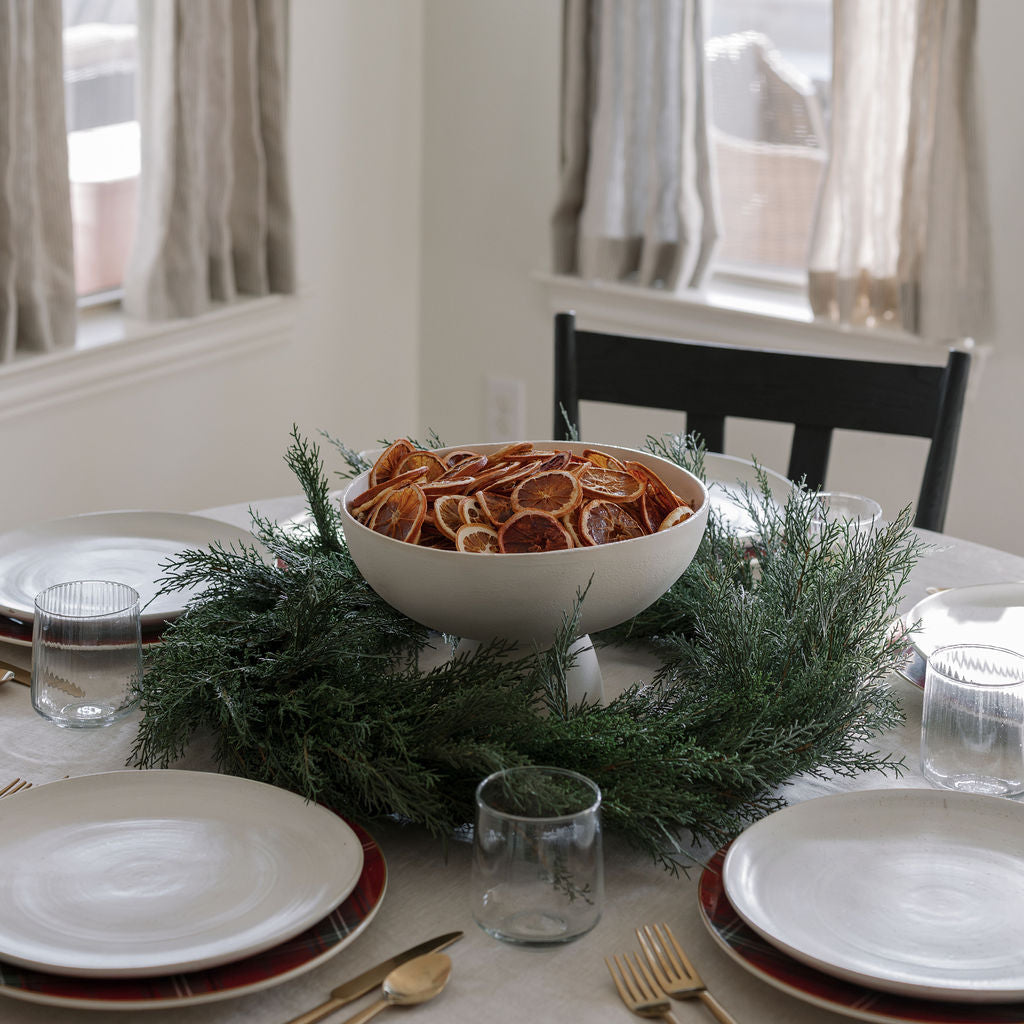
{"x": 972, "y": 729}
{"x": 86, "y": 652}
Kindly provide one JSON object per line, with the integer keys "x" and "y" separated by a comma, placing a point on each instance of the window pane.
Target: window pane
{"x": 769, "y": 70}
{"x": 103, "y": 137}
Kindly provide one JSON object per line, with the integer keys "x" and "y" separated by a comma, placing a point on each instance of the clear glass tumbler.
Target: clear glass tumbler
{"x": 538, "y": 869}
{"x": 836, "y": 506}
{"x": 86, "y": 652}
{"x": 972, "y": 728}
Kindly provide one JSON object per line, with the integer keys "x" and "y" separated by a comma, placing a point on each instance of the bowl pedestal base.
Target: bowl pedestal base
{"x": 583, "y": 681}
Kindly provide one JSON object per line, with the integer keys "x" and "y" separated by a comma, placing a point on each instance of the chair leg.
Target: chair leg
{"x": 567, "y": 407}
{"x": 808, "y": 456}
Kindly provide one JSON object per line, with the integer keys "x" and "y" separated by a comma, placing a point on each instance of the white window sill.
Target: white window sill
{"x": 765, "y": 315}
{"x": 112, "y": 351}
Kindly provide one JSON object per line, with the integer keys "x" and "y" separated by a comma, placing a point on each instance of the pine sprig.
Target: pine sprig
{"x": 773, "y": 663}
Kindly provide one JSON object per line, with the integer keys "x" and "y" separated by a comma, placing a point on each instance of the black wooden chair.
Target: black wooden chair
{"x": 817, "y": 394}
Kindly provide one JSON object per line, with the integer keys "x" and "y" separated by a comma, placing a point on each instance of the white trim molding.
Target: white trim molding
{"x": 113, "y": 352}
{"x": 728, "y": 313}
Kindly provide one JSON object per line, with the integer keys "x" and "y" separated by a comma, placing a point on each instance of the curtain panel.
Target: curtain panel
{"x": 636, "y": 195}
{"x": 901, "y": 233}
{"x": 215, "y": 218}
{"x": 37, "y": 285}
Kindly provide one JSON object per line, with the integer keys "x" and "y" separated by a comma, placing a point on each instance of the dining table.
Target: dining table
{"x": 427, "y": 881}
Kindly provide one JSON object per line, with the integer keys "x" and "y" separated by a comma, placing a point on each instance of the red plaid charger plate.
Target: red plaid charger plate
{"x": 773, "y": 966}
{"x": 250, "y": 974}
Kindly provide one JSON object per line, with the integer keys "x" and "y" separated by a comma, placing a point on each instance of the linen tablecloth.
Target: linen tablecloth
{"x": 427, "y": 887}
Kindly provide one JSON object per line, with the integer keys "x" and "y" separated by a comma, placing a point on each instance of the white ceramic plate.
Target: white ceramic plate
{"x": 134, "y": 873}
{"x": 990, "y": 613}
{"x": 914, "y": 891}
{"x": 128, "y": 547}
{"x": 726, "y": 476}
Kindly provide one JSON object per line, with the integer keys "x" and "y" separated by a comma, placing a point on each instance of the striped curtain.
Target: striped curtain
{"x": 37, "y": 285}
{"x": 215, "y": 218}
{"x": 901, "y": 234}
{"x": 636, "y": 196}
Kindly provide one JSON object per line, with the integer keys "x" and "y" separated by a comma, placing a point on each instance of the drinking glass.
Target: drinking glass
{"x": 86, "y": 652}
{"x": 972, "y": 728}
{"x": 852, "y": 508}
{"x": 538, "y": 872}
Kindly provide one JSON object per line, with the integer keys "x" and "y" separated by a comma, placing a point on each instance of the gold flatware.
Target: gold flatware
{"x": 18, "y": 674}
{"x": 14, "y": 787}
{"x": 638, "y": 989}
{"x": 362, "y": 984}
{"x": 413, "y": 982}
{"x": 673, "y": 971}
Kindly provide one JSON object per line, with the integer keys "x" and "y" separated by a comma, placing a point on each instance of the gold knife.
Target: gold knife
{"x": 21, "y": 675}
{"x": 370, "y": 979}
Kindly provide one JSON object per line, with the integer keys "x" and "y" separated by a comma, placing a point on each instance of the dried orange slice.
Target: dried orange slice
{"x": 519, "y": 450}
{"x": 532, "y": 530}
{"x": 470, "y": 512}
{"x": 496, "y": 507}
{"x": 477, "y": 538}
{"x": 666, "y": 498}
{"x": 446, "y": 514}
{"x": 428, "y": 460}
{"x": 465, "y": 468}
{"x": 364, "y": 503}
{"x": 557, "y": 491}
{"x": 513, "y": 472}
{"x": 678, "y": 515}
{"x": 457, "y": 486}
{"x": 400, "y": 514}
{"x": 569, "y": 522}
{"x": 603, "y": 521}
{"x": 611, "y": 484}
{"x": 602, "y": 460}
{"x": 389, "y": 460}
{"x": 431, "y": 537}
{"x": 553, "y": 460}
{"x": 452, "y": 459}
{"x": 488, "y": 478}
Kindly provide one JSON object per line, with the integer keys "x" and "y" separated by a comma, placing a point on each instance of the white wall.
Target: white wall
{"x": 489, "y": 174}
{"x": 214, "y": 432}
{"x": 424, "y": 138}
{"x": 490, "y": 155}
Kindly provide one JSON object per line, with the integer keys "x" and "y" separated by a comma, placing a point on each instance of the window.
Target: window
{"x": 100, "y": 57}
{"x": 769, "y": 65}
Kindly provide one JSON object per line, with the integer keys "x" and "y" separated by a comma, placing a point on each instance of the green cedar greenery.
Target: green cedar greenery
{"x": 770, "y": 666}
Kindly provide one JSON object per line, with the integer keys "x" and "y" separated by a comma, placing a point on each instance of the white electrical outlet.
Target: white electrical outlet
{"x": 504, "y": 408}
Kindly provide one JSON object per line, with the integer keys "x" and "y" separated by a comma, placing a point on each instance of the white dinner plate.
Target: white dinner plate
{"x": 134, "y": 873}
{"x": 127, "y": 547}
{"x": 989, "y": 613}
{"x": 919, "y": 892}
{"x": 726, "y": 477}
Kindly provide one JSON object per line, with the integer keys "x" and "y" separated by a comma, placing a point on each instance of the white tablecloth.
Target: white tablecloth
{"x": 426, "y": 891}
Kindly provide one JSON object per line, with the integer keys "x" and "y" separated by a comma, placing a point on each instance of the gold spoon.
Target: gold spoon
{"x": 415, "y": 981}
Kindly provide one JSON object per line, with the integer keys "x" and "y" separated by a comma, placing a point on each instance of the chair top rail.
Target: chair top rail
{"x": 695, "y": 377}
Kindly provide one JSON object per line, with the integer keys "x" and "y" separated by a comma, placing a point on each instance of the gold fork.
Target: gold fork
{"x": 673, "y": 971}
{"x": 638, "y": 989}
{"x": 13, "y": 787}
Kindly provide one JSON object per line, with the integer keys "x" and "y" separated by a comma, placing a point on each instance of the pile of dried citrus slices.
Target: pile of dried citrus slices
{"x": 517, "y": 499}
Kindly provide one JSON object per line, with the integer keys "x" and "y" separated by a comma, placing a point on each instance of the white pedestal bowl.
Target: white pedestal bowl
{"x": 524, "y": 597}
